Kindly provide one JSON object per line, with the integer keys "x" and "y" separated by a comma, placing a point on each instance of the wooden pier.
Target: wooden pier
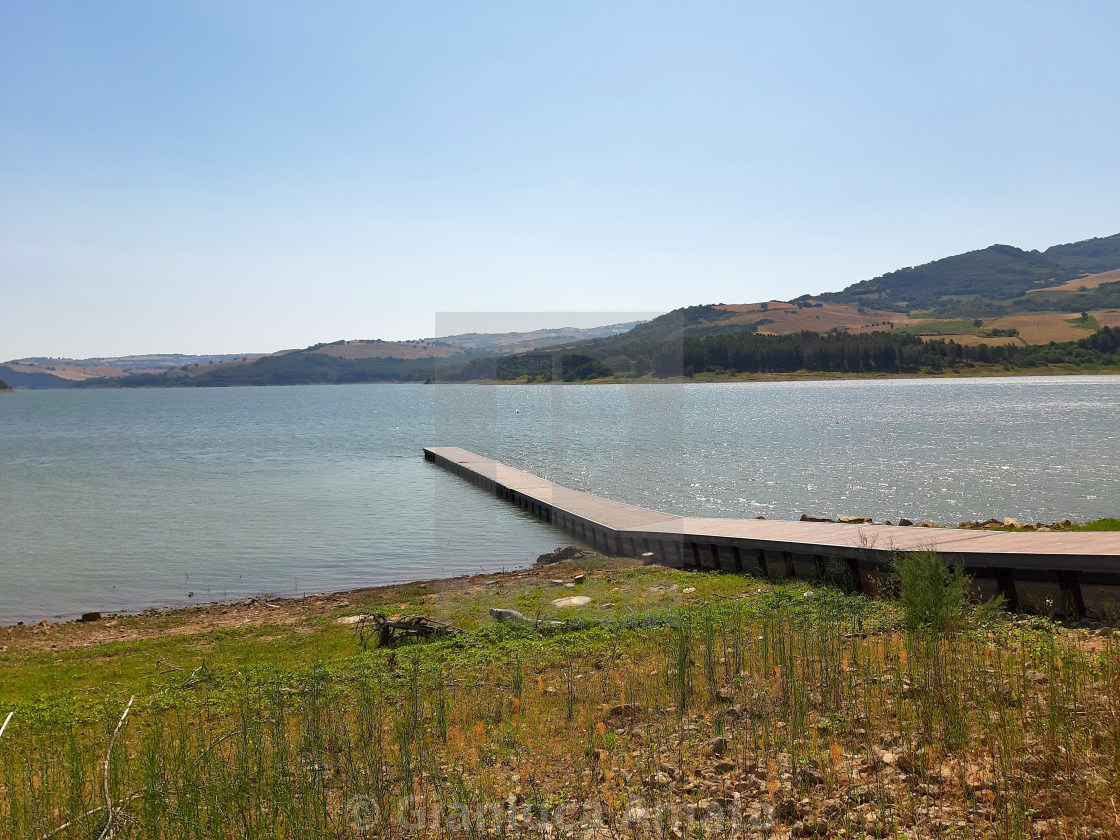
{"x": 1060, "y": 571}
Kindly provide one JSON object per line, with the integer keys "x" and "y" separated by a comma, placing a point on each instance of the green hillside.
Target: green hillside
{"x": 993, "y": 281}
{"x": 299, "y": 367}
{"x": 18, "y": 379}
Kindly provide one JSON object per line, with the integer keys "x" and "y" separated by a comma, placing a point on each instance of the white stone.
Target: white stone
{"x": 574, "y": 601}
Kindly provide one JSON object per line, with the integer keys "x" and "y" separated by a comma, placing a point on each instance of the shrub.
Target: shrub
{"x": 933, "y": 593}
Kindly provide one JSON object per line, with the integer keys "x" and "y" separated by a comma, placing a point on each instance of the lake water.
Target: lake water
{"x": 121, "y": 500}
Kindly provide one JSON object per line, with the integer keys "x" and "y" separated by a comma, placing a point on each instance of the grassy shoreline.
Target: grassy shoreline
{"x": 695, "y": 701}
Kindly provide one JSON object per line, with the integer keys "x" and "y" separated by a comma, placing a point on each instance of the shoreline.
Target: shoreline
{"x": 210, "y": 615}
{"x": 700, "y": 378}
{"x": 154, "y": 622}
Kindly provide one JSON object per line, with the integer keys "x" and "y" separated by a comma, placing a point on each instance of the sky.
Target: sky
{"x": 227, "y": 177}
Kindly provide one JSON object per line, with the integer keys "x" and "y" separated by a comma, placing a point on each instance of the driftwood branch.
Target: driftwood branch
{"x": 89, "y": 813}
{"x": 388, "y": 631}
{"x": 108, "y": 830}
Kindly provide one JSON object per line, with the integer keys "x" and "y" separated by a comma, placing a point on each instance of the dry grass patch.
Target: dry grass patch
{"x": 1089, "y": 281}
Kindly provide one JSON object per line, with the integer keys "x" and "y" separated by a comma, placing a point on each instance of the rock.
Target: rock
{"x": 560, "y": 554}
{"x": 807, "y": 518}
{"x": 573, "y": 601}
{"x": 786, "y": 810}
{"x": 507, "y": 615}
{"x": 624, "y": 710}
{"x": 688, "y": 590}
{"x": 723, "y": 767}
{"x": 854, "y": 520}
{"x": 886, "y": 522}
{"x": 925, "y": 523}
{"x": 1063, "y": 523}
{"x": 648, "y": 559}
{"x": 810, "y": 827}
{"x": 760, "y": 517}
{"x": 1010, "y": 522}
{"x": 579, "y": 579}
{"x": 905, "y": 522}
{"x": 808, "y": 777}
{"x": 637, "y": 814}
{"x": 607, "y": 606}
{"x": 93, "y": 615}
{"x": 717, "y": 746}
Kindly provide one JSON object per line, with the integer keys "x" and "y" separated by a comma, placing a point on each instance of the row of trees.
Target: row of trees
{"x": 835, "y": 352}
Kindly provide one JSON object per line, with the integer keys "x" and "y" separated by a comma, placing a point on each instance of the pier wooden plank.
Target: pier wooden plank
{"x": 620, "y": 528}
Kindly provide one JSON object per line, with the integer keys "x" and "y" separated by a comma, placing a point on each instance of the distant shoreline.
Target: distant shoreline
{"x": 699, "y": 378}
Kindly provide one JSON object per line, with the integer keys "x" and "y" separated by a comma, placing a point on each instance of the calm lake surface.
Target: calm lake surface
{"x": 122, "y": 500}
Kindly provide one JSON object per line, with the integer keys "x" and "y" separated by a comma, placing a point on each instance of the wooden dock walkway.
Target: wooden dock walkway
{"x": 1043, "y": 571}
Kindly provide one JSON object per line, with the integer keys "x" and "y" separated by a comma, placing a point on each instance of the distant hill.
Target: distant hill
{"x": 995, "y": 305}
{"x": 47, "y": 372}
{"x": 515, "y": 342}
{"x": 345, "y": 362}
{"x": 994, "y": 281}
{"x": 37, "y": 380}
{"x": 362, "y": 360}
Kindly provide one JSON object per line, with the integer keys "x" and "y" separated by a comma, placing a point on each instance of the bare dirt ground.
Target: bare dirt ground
{"x": 788, "y": 318}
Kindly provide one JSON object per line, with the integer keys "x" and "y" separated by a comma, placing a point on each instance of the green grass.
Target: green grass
{"x": 816, "y": 699}
{"x": 1090, "y": 323}
{"x": 957, "y": 326}
{"x": 1107, "y": 524}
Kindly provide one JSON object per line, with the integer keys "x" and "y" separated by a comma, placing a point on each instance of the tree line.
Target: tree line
{"x": 720, "y": 354}
{"x": 833, "y": 352}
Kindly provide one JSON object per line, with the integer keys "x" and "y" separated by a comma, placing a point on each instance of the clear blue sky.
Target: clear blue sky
{"x": 241, "y": 176}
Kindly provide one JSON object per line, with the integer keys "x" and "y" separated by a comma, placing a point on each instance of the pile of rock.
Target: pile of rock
{"x": 866, "y": 520}
{"x": 561, "y": 554}
{"x": 1008, "y": 522}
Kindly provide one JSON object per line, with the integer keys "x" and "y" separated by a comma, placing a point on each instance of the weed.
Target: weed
{"x": 933, "y": 593}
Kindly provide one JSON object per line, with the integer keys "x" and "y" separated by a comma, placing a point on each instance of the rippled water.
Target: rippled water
{"x": 119, "y": 500}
